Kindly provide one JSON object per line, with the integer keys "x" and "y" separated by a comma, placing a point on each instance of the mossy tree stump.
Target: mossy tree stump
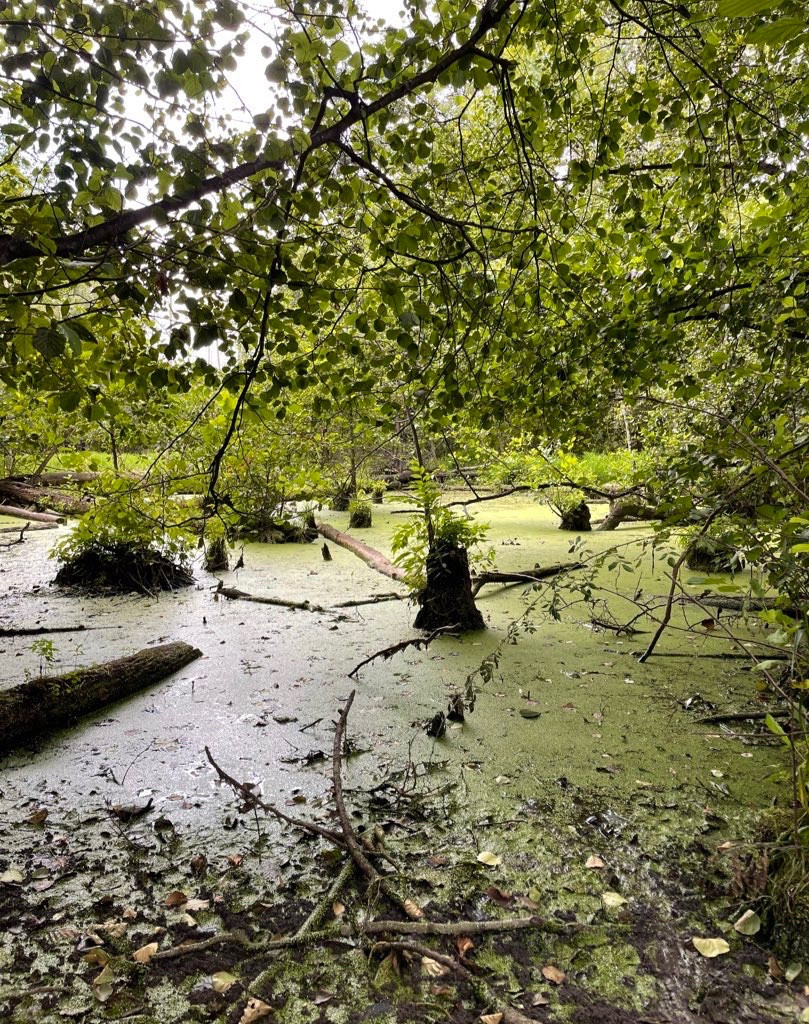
{"x": 447, "y": 601}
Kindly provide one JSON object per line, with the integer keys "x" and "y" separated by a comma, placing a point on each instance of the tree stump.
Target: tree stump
{"x": 576, "y": 518}
{"x": 447, "y": 599}
{"x": 216, "y": 555}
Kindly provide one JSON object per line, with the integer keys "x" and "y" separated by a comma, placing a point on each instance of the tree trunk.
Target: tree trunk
{"x": 622, "y": 510}
{"x": 576, "y": 518}
{"x": 34, "y": 517}
{"x": 53, "y": 701}
{"x": 447, "y": 599}
{"x": 369, "y": 555}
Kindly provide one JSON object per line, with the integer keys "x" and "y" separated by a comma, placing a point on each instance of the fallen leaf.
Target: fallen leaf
{"x": 12, "y": 877}
{"x": 235, "y": 859}
{"x": 222, "y": 981}
{"x": 437, "y": 860}
{"x": 491, "y": 1018}
{"x": 338, "y": 909}
{"x": 710, "y": 947}
{"x": 569, "y": 707}
{"x": 463, "y": 944}
{"x": 529, "y": 713}
{"x": 322, "y": 997}
{"x": 442, "y": 990}
{"x": 199, "y": 864}
{"x": 106, "y": 977}
{"x": 38, "y": 817}
{"x": 255, "y": 1010}
{"x": 197, "y": 904}
{"x": 539, "y": 1000}
{"x": 792, "y": 971}
{"x": 526, "y": 901}
{"x": 748, "y": 924}
{"x": 489, "y": 859}
{"x": 97, "y": 955}
{"x": 432, "y": 968}
{"x": 717, "y": 774}
{"x": 504, "y": 899}
{"x": 129, "y": 914}
{"x": 145, "y": 953}
{"x": 611, "y": 900}
{"x": 102, "y": 992}
{"x": 176, "y": 898}
{"x": 551, "y": 973}
{"x": 413, "y": 910}
{"x": 594, "y": 862}
{"x": 776, "y": 971}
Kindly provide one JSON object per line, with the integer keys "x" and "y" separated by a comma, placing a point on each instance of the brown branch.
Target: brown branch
{"x": 349, "y": 836}
{"x": 418, "y": 642}
{"x": 254, "y": 800}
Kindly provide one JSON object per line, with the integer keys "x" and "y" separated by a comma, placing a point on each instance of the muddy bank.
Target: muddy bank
{"x": 573, "y": 751}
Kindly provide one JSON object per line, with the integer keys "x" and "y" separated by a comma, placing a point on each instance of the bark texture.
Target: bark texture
{"x": 52, "y": 701}
{"x": 369, "y": 555}
{"x": 447, "y": 600}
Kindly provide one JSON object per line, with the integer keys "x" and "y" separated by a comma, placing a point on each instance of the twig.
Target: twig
{"x": 743, "y": 716}
{"x": 508, "y": 924}
{"x": 417, "y": 641}
{"x": 253, "y": 800}
{"x": 376, "y": 599}
{"x": 19, "y": 540}
{"x": 311, "y": 725}
{"x": 315, "y": 919}
{"x": 349, "y": 836}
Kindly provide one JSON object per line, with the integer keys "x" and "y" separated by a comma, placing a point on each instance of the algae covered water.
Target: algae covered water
{"x": 573, "y": 751}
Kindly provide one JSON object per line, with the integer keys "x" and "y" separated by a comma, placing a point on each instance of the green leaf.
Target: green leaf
{"x": 778, "y": 32}
{"x": 744, "y": 8}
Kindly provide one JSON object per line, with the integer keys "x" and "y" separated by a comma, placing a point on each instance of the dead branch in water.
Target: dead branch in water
{"x": 234, "y": 594}
{"x": 526, "y": 576}
{"x": 418, "y": 642}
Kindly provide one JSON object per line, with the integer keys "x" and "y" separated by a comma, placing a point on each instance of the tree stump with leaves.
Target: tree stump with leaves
{"x": 446, "y": 601}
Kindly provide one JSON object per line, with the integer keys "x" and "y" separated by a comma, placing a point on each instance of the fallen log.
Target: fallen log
{"x": 52, "y": 701}
{"x": 634, "y": 510}
{"x": 528, "y": 576}
{"x": 38, "y": 630}
{"x": 373, "y": 558}
{"x": 43, "y": 498}
{"x": 31, "y": 527}
{"x": 725, "y": 603}
{"x": 233, "y": 594}
{"x": 34, "y": 517}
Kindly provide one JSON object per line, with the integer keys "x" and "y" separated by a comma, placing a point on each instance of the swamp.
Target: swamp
{"x": 404, "y": 512}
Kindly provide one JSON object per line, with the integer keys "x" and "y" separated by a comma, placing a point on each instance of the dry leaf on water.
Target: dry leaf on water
{"x": 255, "y": 1010}
{"x": 197, "y": 904}
{"x": 539, "y": 1000}
{"x": 176, "y": 898}
{"x": 463, "y": 944}
{"x": 222, "y": 981}
{"x": 489, "y": 859}
{"x": 322, "y": 997}
{"x": 97, "y": 955}
{"x": 491, "y": 1018}
{"x": 594, "y": 862}
{"x": 432, "y": 968}
{"x": 12, "y": 877}
{"x": 611, "y": 900}
{"x": 748, "y": 924}
{"x": 413, "y": 910}
{"x": 338, "y": 909}
{"x": 504, "y": 899}
{"x": 551, "y": 973}
{"x": 710, "y": 947}
{"x": 145, "y": 953}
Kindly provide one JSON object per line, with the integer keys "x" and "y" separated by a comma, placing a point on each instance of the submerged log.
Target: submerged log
{"x": 632, "y": 509}
{"x": 447, "y": 601}
{"x": 234, "y": 594}
{"x": 527, "y": 576}
{"x": 52, "y": 701}
{"x": 375, "y": 559}
{"x": 31, "y": 527}
{"x": 34, "y": 517}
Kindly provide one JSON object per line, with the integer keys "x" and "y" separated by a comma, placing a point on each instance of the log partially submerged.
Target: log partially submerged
{"x": 52, "y": 701}
{"x": 234, "y": 594}
{"x": 375, "y": 559}
{"x": 527, "y": 576}
{"x": 34, "y": 517}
